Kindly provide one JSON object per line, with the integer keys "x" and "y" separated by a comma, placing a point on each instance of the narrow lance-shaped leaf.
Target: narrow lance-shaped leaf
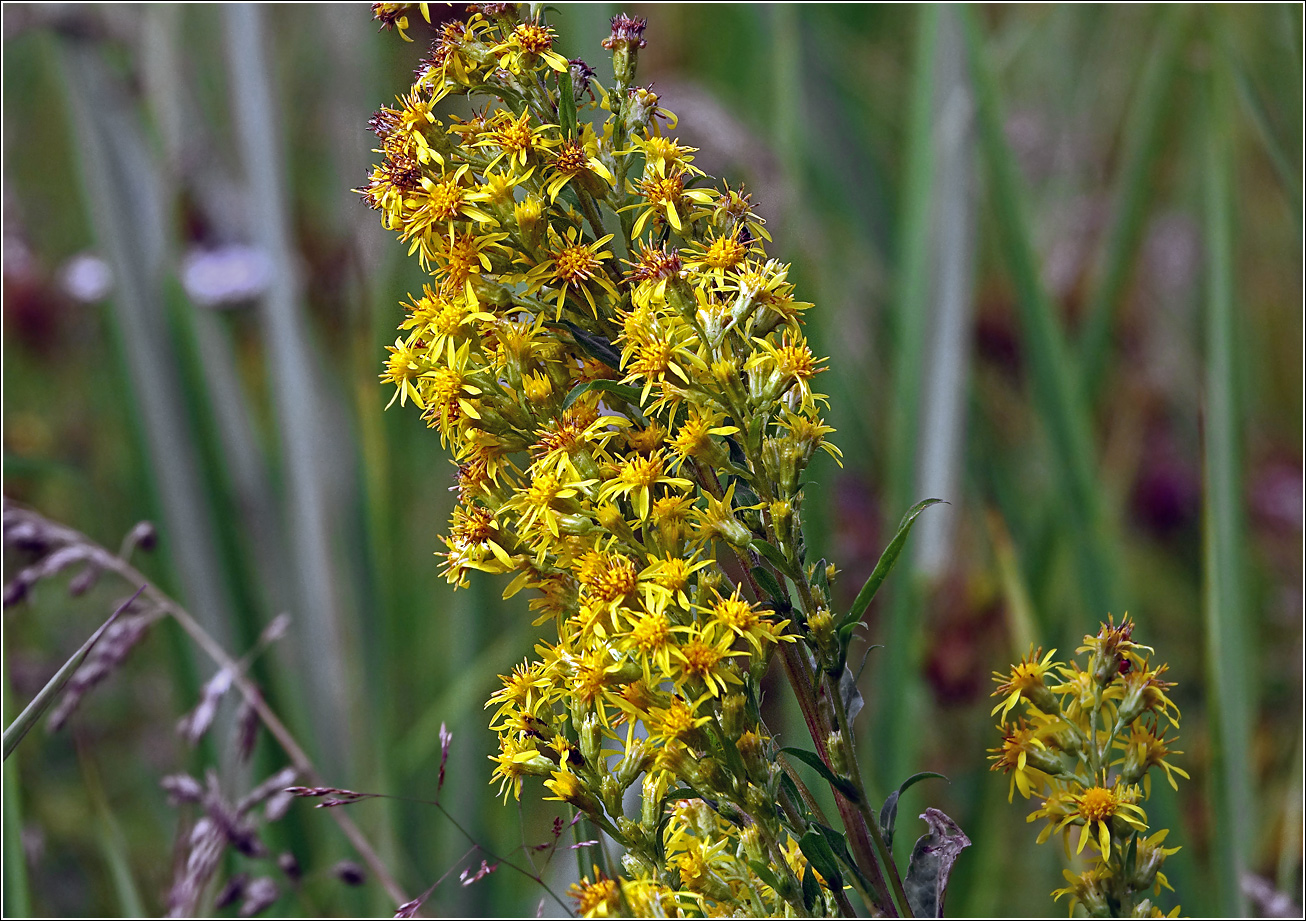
{"x": 821, "y": 857}
{"x": 774, "y": 557}
{"x": 567, "y": 105}
{"x": 931, "y": 864}
{"x": 19, "y": 728}
{"x": 812, "y": 760}
{"x": 886, "y": 562}
{"x": 770, "y": 584}
{"x": 629, "y": 394}
{"x": 889, "y": 812}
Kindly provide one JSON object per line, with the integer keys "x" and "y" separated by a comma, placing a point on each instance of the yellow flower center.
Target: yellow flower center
{"x": 735, "y": 613}
{"x": 514, "y": 134}
{"x": 571, "y": 158}
{"x": 608, "y": 576}
{"x": 678, "y": 721}
{"x": 444, "y": 199}
{"x": 574, "y": 264}
{"x": 596, "y": 900}
{"x": 651, "y": 633}
{"x": 655, "y": 264}
{"x": 652, "y": 358}
{"x": 1097, "y": 804}
{"x": 700, "y": 658}
{"x": 458, "y": 258}
{"x": 641, "y": 472}
{"x": 659, "y": 190}
{"x": 725, "y": 253}
{"x": 533, "y": 38}
{"x": 674, "y": 575}
{"x": 796, "y": 360}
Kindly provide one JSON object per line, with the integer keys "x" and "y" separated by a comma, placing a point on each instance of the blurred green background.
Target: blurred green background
{"x": 1056, "y": 254}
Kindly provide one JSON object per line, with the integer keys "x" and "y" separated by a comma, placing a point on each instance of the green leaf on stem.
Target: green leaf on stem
{"x": 765, "y": 874}
{"x": 811, "y": 888}
{"x": 593, "y": 345}
{"x": 840, "y": 847}
{"x": 813, "y": 760}
{"x": 821, "y": 577}
{"x": 19, "y": 728}
{"x": 889, "y": 812}
{"x": 567, "y": 106}
{"x": 774, "y": 557}
{"x": 887, "y": 560}
{"x": 770, "y": 585}
{"x": 629, "y": 394}
{"x": 850, "y": 694}
{"x": 820, "y": 857}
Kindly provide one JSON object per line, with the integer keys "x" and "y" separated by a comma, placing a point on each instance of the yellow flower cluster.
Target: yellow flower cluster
{"x": 1085, "y": 745}
{"x": 621, "y": 374}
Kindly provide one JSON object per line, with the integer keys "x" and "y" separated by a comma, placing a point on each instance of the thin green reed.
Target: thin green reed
{"x": 125, "y": 206}
{"x": 897, "y": 674}
{"x": 1230, "y": 621}
{"x": 1056, "y": 393}
{"x": 1142, "y": 142}
{"x": 17, "y": 895}
{"x": 322, "y": 634}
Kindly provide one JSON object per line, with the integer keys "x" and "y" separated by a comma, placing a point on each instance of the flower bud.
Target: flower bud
{"x": 610, "y": 790}
{"x": 733, "y": 709}
{"x": 837, "y": 749}
{"x": 821, "y": 623}
{"x": 625, "y": 41}
{"x": 591, "y": 738}
{"x": 752, "y": 751}
{"x": 751, "y": 839}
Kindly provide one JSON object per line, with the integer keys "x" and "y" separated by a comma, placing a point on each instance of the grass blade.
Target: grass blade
{"x": 1142, "y": 144}
{"x": 113, "y": 844}
{"x": 911, "y": 314}
{"x": 17, "y": 887}
{"x": 299, "y": 409}
{"x": 1228, "y": 617}
{"x": 124, "y": 201}
{"x": 1056, "y": 393}
{"x": 18, "y": 729}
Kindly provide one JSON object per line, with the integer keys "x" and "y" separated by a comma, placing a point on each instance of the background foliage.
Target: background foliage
{"x": 1056, "y": 256}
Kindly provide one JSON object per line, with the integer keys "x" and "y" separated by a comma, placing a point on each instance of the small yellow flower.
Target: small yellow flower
{"x": 599, "y": 899}
{"x": 573, "y": 265}
{"x": 1095, "y": 807}
{"x": 528, "y": 43}
{"x": 1026, "y": 681}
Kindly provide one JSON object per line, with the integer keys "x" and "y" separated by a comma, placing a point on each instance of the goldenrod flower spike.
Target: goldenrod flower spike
{"x": 626, "y": 433}
{"x": 1085, "y": 746}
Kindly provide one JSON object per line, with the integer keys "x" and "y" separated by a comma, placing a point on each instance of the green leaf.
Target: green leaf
{"x": 840, "y": 849}
{"x": 765, "y": 874}
{"x": 19, "y": 728}
{"x": 931, "y": 864}
{"x": 770, "y": 585}
{"x": 889, "y": 812}
{"x": 567, "y": 105}
{"x": 811, "y": 888}
{"x": 821, "y": 858}
{"x": 594, "y": 346}
{"x": 850, "y": 694}
{"x": 813, "y": 760}
{"x": 819, "y": 576}
{"x": 887, "y": 559}
{"x": 629, "y": 394}
{"x": 795, "y": 797}
{"x": 774, "y": 557}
